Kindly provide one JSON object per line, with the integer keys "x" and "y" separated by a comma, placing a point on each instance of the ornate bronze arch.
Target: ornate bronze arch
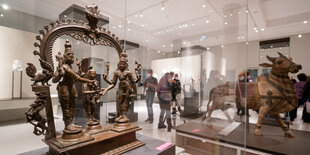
{"x": 89, "y": 33}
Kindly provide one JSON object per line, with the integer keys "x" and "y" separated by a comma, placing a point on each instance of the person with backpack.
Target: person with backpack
{"x": 164, "y": 88}
{"x": 176, "y": 90}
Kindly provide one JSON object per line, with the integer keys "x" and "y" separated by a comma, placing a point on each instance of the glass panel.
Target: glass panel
{"x": 206, "y": 67}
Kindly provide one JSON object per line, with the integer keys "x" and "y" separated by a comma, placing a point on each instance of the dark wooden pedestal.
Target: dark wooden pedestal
{"x": 107, "y": 142}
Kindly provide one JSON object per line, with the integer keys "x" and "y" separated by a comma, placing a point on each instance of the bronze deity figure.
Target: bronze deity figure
{"x": 92, "y": 93}
{"x": 67, "y": 92}
{"x": 127, "y": 89}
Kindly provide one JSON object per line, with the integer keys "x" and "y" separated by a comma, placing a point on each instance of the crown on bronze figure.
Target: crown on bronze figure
{"x": 68, "y": 47}
{"x": 123, "y": 57}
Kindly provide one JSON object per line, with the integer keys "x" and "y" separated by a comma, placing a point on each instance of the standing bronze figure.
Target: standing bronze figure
{"x": 127, "y": 88}
{"x": 67, "y": 92}
{"x": 91, "y": 97}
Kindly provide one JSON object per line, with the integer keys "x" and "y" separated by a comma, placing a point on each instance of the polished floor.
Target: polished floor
{"x": 18, "y": 137}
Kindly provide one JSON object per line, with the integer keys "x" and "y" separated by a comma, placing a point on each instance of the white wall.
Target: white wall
{"x": 300, "y": 51}
{"x": 16, "y": 44}
{"x": 187, "y": 67}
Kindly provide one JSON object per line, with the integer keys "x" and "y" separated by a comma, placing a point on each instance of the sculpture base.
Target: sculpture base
{"x": 67, "y": 140}
{"x": 121, "y": 127}
{"x": 113, "y": 140}
{"x": 94, "y": 129}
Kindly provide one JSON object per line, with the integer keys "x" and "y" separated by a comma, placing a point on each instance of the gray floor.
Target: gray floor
{"x": 18, "y": 138}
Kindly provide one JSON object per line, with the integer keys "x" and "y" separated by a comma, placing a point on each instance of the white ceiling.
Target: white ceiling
{"x": 186, "y": 21}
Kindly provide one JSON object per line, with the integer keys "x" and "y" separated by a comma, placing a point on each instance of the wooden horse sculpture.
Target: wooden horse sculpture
{"x": 217, "y": 96}
{"x": 273, "y": 94}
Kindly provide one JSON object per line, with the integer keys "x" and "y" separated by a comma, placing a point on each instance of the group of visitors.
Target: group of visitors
{"x": 167, "y": 89}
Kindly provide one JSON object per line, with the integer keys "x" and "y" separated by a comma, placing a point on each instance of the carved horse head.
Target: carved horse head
{"x": 282, "y": 64}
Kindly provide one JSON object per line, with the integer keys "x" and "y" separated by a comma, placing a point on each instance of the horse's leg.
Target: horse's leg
{"x": 263, "y": 110}
{"x": 287, "y": 131}
{"x": 210, "y": 110}
{"x": 227, "y": 115}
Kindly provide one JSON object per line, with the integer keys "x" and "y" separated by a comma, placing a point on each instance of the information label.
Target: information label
{"x": 226, "y": 131}
{"x": 164, "y": 146}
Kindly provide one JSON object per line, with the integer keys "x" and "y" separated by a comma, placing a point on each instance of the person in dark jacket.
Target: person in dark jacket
{"x": 299, "y": 86}
{"x": 176, "y": 90}
{"x": 305, "y": 98}
{"x": 150, "y": 85}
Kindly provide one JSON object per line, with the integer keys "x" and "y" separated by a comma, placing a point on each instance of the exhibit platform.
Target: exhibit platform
{"x": 152, "y": 147}
{"x": 236, "y": 139}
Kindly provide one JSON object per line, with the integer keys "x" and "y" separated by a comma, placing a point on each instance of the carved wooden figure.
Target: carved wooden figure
{"x": 273, "y": 94}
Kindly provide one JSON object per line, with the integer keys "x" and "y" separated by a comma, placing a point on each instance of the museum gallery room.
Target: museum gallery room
{"x": 148, "y": 77}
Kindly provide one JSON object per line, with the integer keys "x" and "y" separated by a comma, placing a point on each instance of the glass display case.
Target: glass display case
{"x": 205, "y": 76}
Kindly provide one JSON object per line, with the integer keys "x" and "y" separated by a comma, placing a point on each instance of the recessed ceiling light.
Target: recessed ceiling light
{"x": 271, "y": 46}
{"x": 1, "y": 15}
{"x": 203, "y": 5}
{"x": 256, "y": 30}
{"x": 158, "y": 51}
{"x": 225, "y": 16}
{"x": 230, "y": 14}
{"x": 262, "y": 29}
{"x": 222, "y": 46}
{"x": 201, "y": 39}
{"x": 5, "y": 6}
{"x": 162, "y": 7}
{"x": 208, "y": 21}
{"x": 178, "y": 52}
{"x": 225, "y": 23}
{"x": 299, "y": 36}
{"x": 208, "y": 48}
{"x": 164, "y": 45}
{"x": 184, "y": 43}
{"x": 305, "y": 22}
{"x": 193, "y": 24}
{"x": 142, "y": 25}
{"x": 65, "y": 16}
{"x": 246, "y": 11}
{"x": 119, "y": 26}
{"x": 171, "y": 45}
{"x": 239, "y": 12}
{"x": 210, "y": 11}
{"x": 128, "y": 21}
{"x": 147, "y": 40}
{"x": 128, "y": 30}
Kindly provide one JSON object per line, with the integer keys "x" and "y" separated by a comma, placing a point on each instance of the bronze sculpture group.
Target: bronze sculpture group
{"x": 74, "y": 138}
